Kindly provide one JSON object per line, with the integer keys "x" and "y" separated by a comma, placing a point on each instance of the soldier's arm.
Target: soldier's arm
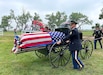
{"x": 101, "y": 32}
{"x": 94, "y": 33}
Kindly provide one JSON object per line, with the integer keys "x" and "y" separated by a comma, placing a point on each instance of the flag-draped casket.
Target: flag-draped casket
{"x": 36, "y": 40}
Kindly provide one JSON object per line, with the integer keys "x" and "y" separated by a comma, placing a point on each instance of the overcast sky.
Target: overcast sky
{"x": 91, "y": 8}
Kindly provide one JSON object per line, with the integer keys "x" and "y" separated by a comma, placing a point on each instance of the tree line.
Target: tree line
{"x": 100, "y": 17}
{"x": 53, "y": 19}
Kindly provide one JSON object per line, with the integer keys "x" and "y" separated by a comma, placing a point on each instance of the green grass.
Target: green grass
{"x": 30, "y": 64}
{"x": 87, "y": 33}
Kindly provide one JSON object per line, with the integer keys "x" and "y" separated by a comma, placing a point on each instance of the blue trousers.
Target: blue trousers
{"x": 95, "y": 42}
{"x": 75, "y": 60}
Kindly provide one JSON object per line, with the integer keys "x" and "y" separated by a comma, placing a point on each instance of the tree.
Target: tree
{"x": 15, "y": 18}
{"x": 96, "y": 25}
{"x": 80, "y": 18}
{"x": 37, "y": 17}
{"x": 101, "y": 15}
{"x": 93, "y": 27}
{"x": 60, "y": 18}
{"x": 51, "y": 20}
{"x": 22, "y": 19}
{"x": 6, "y": 22}
{"x": 56, "y": 19}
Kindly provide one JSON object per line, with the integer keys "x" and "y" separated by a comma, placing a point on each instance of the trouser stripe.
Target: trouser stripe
{"x": 77, "y": 59}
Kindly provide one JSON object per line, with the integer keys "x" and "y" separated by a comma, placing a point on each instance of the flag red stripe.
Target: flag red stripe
{"x": 34, "y": 38}
{"x": 35, "y": 44}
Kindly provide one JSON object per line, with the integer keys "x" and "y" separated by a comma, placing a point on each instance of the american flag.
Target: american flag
{"x": 56, "y": 36}
{"x": 37, "y": 39}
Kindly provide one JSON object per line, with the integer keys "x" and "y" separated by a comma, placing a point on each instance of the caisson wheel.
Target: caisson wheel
{"x": 59, "y": 55}
{"x": 87, "y": 49}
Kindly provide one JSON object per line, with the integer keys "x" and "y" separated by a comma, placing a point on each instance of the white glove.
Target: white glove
{"x": 59, "y": 42}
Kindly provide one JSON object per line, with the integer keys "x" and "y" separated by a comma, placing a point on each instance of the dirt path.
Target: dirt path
{"x": 88, "y": 37}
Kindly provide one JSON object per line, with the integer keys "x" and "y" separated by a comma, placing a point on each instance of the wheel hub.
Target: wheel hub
{"x": 61, "y": 54}
{"x": 87, "y": 49}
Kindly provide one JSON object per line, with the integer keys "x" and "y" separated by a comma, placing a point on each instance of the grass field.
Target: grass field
{"x": 87, "y": 33}
{"x": 30, "y": 64}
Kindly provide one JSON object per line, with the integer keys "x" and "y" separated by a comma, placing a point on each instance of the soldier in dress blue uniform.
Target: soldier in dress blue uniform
{"x": 74, "y": 45}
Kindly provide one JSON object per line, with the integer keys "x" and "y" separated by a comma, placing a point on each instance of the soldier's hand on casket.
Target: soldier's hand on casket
{"x": 67, "y": 41}
{"x": 59, "y": 42}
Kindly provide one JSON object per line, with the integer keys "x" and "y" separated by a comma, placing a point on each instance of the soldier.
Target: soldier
{"x": 47, "y": 29}
{"x": 74, "y": 45}
{"x": 97, "y": 36}
{"x": 15, "y": 31}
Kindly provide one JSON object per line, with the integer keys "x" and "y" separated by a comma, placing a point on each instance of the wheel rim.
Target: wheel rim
{"x": 87, "y": 49}
{"x": 59, "y": 55}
